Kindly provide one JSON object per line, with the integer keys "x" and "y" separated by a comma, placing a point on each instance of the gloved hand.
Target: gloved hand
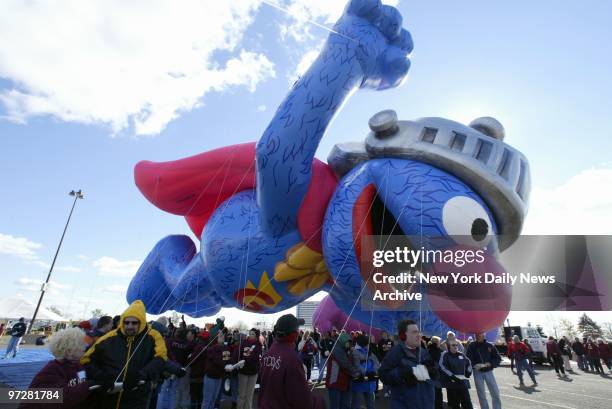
{"x": 420, "y": 372}
{"x": 240, "y": 364}
{"x": 371, "y": 375}
{"x": 326, "y": 353}
{"x": 407, "y": 374}
{"x": 455, "y": 379}
{"x": 116, "y": 388}
{"x": 181, "y": 372}
{"x": 229, "y": 368}
{"x": 130, "y": 382}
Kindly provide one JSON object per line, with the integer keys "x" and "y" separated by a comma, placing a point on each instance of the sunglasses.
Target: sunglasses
{"x": 131, "y": 322}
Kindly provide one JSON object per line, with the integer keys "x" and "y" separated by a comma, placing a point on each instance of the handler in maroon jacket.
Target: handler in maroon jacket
{"x": 283, "y": 380}
{"x": 64, "y": 371}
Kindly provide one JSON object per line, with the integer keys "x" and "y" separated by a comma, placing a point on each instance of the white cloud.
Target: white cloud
{"x": 302, "y": 12}
{"x": 116, "y": 288}
{"x": 122, "y": 63}
{"x": 261, "y": 108}
{"x": 305, "y": 63}
{"x": 32, "y": 284}
{"x": 82, "y": 257}
{"x": 581, "y": 205}
{"x": 109, "y": 266}
{"x": 68, "y": 269}
{"x": 18, "y": 247}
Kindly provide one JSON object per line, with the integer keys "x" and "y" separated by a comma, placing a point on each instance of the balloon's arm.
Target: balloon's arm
{"x": 286, "y": 149}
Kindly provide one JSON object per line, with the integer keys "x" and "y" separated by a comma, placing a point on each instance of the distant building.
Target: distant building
{"x": 305, "y": 310}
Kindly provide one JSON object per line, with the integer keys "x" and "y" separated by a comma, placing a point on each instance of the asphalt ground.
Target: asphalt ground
{"x": 581, "y": 390}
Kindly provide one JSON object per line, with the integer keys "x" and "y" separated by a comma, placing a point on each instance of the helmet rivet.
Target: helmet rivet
{"x": 384, "y": 123}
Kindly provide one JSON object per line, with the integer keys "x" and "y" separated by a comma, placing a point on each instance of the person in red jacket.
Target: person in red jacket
{"x": 64, "y": 372}
{"x": 283, "y": 381}
{"x": 518, "y": 351}
{"x": 604, "y": 353}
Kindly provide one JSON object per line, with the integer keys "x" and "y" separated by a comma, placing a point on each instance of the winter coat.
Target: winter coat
{"x": 604, "y": 351}
{"x": 552, "y": 349}
{"x": 283, "y": 381}
{"x": 18, "y": 330}
{"x": 198, "y": 361}
{"x": 70, "y": 376}
{"x": 396, "y": 371}
{"x": 519, "y": 351}
{"x": 578, "y": 348}
{"x": 179, "y": 350}
{"x": 217, "y": 356}
{"x": 565, "y": 347}
{"x": 145, "y": 354}
{"x": 592, "y": 350}
{"x": 340, "y": 367}
{"x": 250, "y": 351}
{"x": 454, "y": 364}
{"x": 368, "y": 364}
{"x": 483, "y": 353}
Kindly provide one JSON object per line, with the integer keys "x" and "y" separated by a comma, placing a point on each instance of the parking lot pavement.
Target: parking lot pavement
{"x": 581, "y": 390}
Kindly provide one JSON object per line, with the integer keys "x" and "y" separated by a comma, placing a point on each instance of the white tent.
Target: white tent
{"x": 15, "y": 308}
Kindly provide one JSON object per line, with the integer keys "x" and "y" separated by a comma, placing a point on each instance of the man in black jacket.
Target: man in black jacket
{"x": 17, "y": 332}
{"x": 126, "y": 360}
{"x": 578, "y": 348}
{"x": 484, "y": 358}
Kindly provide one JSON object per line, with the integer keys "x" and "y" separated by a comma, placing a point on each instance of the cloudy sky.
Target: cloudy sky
{"x": 89, "y": 88}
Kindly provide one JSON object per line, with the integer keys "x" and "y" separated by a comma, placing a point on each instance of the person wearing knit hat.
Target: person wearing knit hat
{"x": 283, "y": 379}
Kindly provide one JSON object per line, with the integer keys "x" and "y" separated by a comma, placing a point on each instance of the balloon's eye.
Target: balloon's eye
{"x": 467, "y": 221}
{"x": 480, "y": 229}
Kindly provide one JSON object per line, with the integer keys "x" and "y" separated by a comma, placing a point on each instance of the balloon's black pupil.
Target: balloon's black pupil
{"x": 480, "y": 228}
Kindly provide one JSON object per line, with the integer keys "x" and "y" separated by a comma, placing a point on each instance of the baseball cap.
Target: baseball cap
{"x": 287, "y": 324}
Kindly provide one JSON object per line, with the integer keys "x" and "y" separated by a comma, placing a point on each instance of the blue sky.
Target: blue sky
{"x": 88, "y": 90}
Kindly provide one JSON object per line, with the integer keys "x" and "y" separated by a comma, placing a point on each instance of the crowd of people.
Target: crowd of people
{"x": 126, "y": 362}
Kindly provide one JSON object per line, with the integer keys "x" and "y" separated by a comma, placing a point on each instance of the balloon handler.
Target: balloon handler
{"x": 277, "y": 225}
{"x": 283, "y": 380}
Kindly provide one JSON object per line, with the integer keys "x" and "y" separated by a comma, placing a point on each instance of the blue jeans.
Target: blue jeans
{"x": 482, "y": 378}
{"x": 167, "y": 394}
{"x": 523, "y": 365}
{"x": 357, "y": 397}
{"x": 339, "y": 399}
{"x": 13, "y": 346}
{"x": 582, "y": 362}
{"x": 210, "y": 390}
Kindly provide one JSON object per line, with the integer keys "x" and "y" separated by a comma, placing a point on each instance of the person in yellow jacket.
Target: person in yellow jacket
{"x": 125, "y": 361}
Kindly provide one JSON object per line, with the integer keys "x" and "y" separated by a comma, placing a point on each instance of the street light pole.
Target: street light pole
{"x": 77, "y": 195}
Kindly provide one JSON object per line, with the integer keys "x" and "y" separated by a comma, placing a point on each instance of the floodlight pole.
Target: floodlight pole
{"x": 77, "y": 195}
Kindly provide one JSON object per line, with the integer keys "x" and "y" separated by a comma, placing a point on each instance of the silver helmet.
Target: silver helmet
{"x": 476, "y": 154}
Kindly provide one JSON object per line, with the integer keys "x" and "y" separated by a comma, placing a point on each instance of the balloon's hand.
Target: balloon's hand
{"x": 372, "y": 34}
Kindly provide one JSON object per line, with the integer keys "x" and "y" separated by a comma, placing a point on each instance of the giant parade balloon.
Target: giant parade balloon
{"x": 276, "y": 225}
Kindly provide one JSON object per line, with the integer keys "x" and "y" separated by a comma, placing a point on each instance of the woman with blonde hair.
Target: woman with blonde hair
{"x": 65, "y": 371}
